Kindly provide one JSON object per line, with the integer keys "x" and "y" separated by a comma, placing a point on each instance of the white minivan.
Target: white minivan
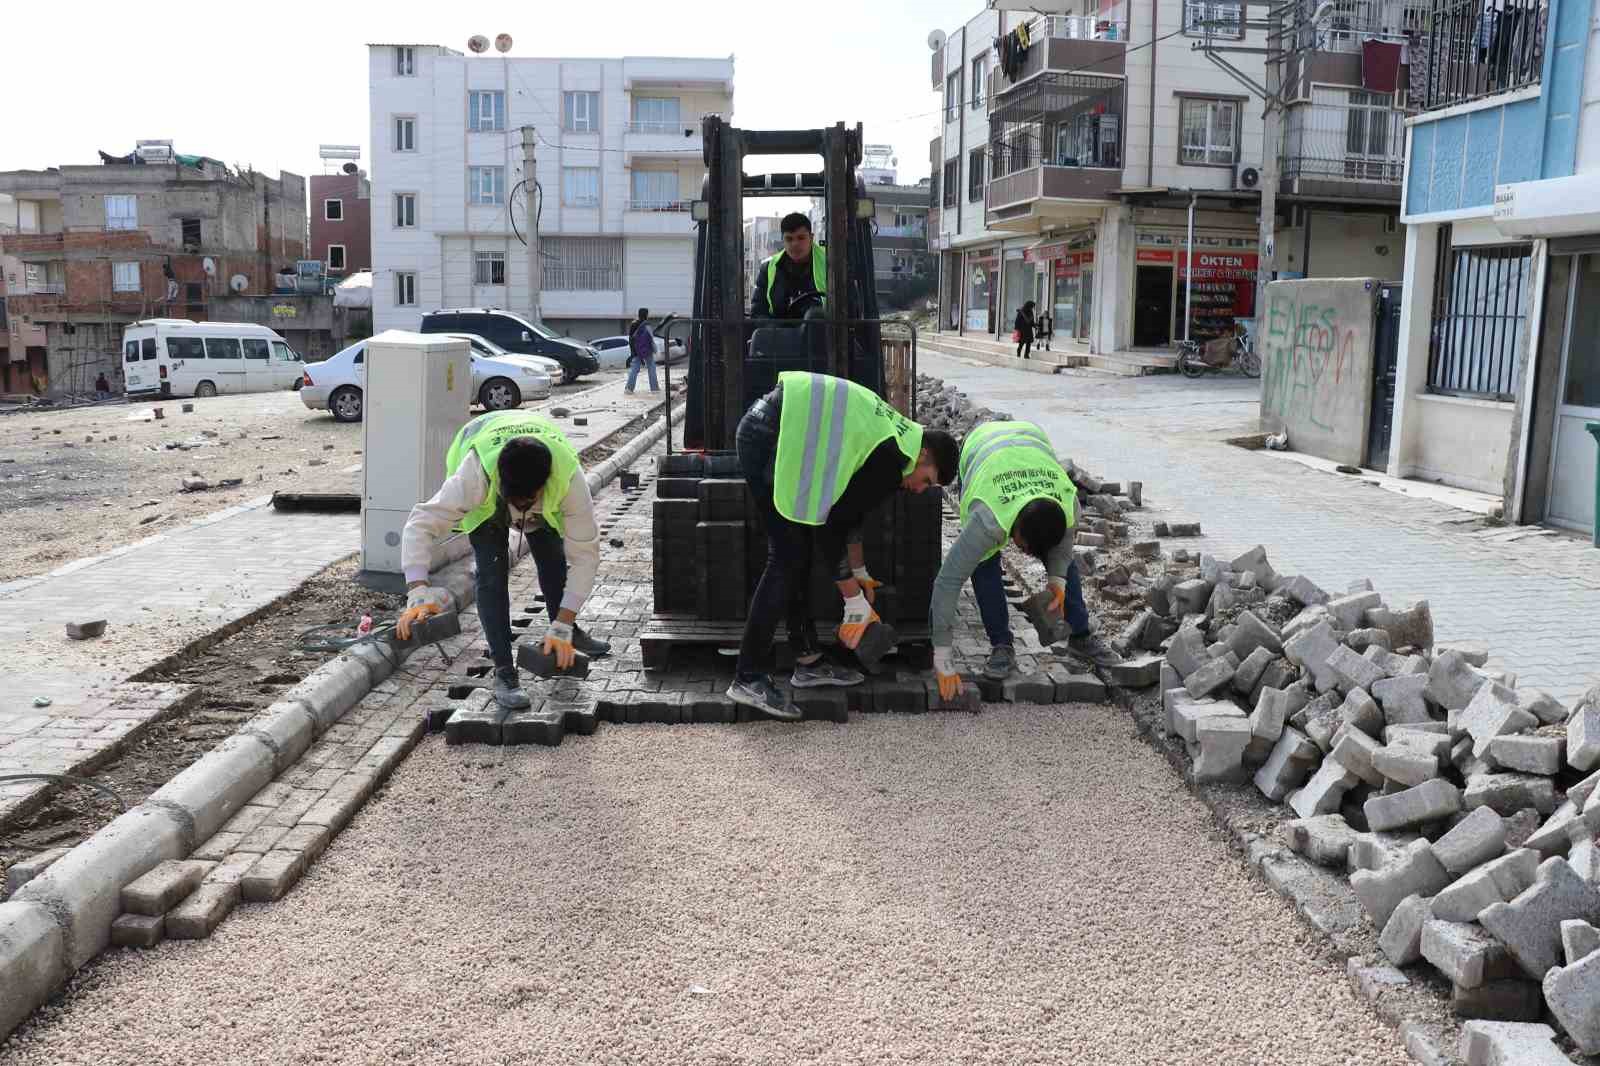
{"x": 181, "y": 357}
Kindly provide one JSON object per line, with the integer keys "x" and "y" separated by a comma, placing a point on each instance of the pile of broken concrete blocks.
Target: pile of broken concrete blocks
{"x": 1465, "y": 808}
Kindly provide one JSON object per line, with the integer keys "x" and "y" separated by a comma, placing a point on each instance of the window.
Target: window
{"x": 336, "y": 257}
{"x": 952, "y": 96}
{"x": 975, "y": 175}
{"x": 653, "y": 188}
{"x": 486, "y": 111}
{"x": 222, "y": 348}
{"x": 122, "y": 212}
{"x": 979, "y": 66}
{"x": 333, "y": 210}
{"x": 580, "y": 112}
{"x": 191, "y": 232}
{"x": 255, "y": 348}
{"x": 147, "y": 349}
{"x": 489, "y": 268}
{"x": 1205, "y": 17}
{"x": 1373, "y": 138}
{"x": 657, "y": 114}
{"x": 1480, "y": 306}
{"x": 282, "y": 353}
{"x": 580, "y": 186}
{"x": 405, "y": 61}
{"x": 952, "y": 182}
{"x": 1210, "y": 132}
{"x": 193, "y": 292}
{"x": 405, "y": 210}
{"x": 405, "y": 133}
{"x": 405, "y": 288}
{"x": 130, "y": 352}
{"x": 486, "y": 185}
{"x": 185, "y": 348}
{"x": 125, "y": 277}
{"x": 574, "y": 264}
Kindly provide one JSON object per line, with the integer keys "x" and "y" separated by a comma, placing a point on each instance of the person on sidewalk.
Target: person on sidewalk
{"x": 1047, "y": 327}
{"x": 1023, "y": 329}
{"x": 510, "y": 470}
{"x": 641, "y": 349}
{"x": 1012, "y": 488}
{"x": 818, "y": 453}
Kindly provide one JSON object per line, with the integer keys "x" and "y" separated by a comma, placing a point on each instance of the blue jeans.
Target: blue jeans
{"x": 993, "y": 609}
{"x": 491, "y": 548}
{"x": 633, "y": 371}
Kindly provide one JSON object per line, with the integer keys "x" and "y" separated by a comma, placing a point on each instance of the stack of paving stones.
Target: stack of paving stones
{"x": 1464, "y": 808}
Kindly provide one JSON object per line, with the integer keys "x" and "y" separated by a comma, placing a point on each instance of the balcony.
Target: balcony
{"x": 654, "y": 217}
{"x": 1473, "y": 53}
{"x": 1065, "y": 43}
{"x": 916, "y": 232}
{"x": 1344, "y": 151}
{"x": 664, "y": 137}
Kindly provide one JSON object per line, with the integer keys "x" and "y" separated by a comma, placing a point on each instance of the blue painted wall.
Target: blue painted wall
{"x": 1456, "y": 162}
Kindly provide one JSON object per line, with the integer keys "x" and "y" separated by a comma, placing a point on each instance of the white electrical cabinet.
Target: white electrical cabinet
{"x": 418, "y": 389}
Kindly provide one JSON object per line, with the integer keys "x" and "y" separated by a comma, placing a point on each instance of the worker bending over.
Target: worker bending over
{"x": 818, "y": 453}
{"x": 510, "y": 470}
{"x": 795, "y": 280}
{"x": 1012, "y": 488}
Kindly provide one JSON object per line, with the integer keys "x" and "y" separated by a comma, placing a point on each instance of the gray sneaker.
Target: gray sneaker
{"x": 593, "y": 647}
{"x": 759, "y": 693}
{"x": 821, "y": 673}
{"x": 1002, "y": 659}
{"x": 1093, "y": 647}
{"x": 508, "y": 689}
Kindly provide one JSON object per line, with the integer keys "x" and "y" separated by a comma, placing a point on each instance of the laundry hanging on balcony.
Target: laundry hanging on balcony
{"x": 1380, "y": 65}
{"x": 1013, "y": 51}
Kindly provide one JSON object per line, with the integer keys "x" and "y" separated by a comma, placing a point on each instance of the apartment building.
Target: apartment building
{"x": 1498, "y": 369}
{"x": 901, "y": 266}
{"x": 86, "y": 249}
{"x": 1075, "y": 146}
{"x": 341, "y": 222}
{"x": 619, "y": 163}
{"x": 763, "y": 237}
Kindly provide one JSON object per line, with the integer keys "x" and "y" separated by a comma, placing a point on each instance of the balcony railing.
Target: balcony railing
{"x": 1349, "y": 22}
{"x": 667, "y": 127}
{"x": 1066, "y": 43}
{"x": 1080, "y": 27}
{"x": 45, "y": 289}
{"x": 903, "y": 231}
{"x": 1473, "y": 52}
{"x": 659, "y": 205}
{"x": 1357, "y": 144}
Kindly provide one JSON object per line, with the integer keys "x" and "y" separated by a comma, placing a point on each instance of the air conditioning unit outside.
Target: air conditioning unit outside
{"x": 1246, "y": 178}
{"x": 154, "y": 151}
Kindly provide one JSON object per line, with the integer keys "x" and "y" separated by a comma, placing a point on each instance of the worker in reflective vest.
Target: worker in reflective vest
{"x": 794, "y": 280}
{"x": 510, "y": 470}
{"x": 1012, "y": 488}
{"x": 818, "y": 453}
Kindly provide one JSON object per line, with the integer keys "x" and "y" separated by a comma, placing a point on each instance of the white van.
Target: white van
{"x": 181, "y": 357}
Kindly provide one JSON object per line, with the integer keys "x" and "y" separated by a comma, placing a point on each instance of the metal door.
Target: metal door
{"x": 1385, "y": 358}
{"x": 1573, "y": 452}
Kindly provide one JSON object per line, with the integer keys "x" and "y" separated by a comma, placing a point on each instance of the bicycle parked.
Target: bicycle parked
{"x": 1196, "y": 359}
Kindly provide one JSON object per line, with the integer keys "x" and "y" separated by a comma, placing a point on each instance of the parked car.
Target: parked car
{"x": 488, "y": 349}
{"x": 338, "y": 383}
{"x": 614, "y": 351}
{"x": 180, "y": 357}
{"x": 515, "y": 334}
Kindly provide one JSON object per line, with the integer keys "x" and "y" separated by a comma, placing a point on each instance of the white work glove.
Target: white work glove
{"x": 869, "y": 584}
{"x": 944, "y": 669}
{"x": 858, "y": 615}
{"x": 421, "y": 602}
{"x": 1058, "y": 594}
{"x": 558, "y": 642}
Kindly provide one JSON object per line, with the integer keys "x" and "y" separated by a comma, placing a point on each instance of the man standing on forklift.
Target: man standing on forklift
{"x": 794, "y": 280}
{"x": 818, "y": 453}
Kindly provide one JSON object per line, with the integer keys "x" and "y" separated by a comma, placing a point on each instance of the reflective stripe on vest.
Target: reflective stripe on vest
{"x": 827, "y": 429}
{"x": 487, "y": 436}
{"x": 1006, "y": 466}
{"x": 819, "y": 272}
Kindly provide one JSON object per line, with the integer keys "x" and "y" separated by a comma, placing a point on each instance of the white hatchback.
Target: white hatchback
{"x": 338, "y": 383}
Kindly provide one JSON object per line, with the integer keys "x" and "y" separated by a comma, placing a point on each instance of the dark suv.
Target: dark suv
{"x": 515, "y": 334}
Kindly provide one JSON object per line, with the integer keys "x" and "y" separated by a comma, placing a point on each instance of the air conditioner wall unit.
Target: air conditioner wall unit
{"x": 1247, "y": 177}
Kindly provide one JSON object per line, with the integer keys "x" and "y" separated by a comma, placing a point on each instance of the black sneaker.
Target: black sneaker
{"x": 593, "y": 647}
{"x": 759, "y": 693}
{"x": 822, "y": 673}
{"x": 1002, "y": 659}
{"x": 508, "y": 689}
{"x": 1093, "y": 647}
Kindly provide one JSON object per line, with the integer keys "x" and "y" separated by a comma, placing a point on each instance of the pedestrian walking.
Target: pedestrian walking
{"x": 641, "y": 349}
{"x": 102, "y": 388}
{"x": 1047, "y": 327}
{"x": 1022, "y": 330}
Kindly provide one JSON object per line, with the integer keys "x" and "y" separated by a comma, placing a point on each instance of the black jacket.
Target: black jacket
{"x": 1023, "y": 325}
{"x": 782, "y": 291}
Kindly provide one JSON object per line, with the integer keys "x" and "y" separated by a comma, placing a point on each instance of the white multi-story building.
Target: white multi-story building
{"x": 619, "y": 160}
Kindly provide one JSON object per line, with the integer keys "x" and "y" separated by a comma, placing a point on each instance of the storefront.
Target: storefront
{"x": 1223, "y": 289}
{"x": 1021, "y": 285}
{"x": 1064, "y": 283}
{"x": 982, "y": 275}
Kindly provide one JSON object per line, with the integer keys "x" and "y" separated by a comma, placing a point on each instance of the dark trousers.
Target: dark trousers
{"x": 993, "y": 609}
{"x": 491, "y": 548}
{"x": 785, "y": 585}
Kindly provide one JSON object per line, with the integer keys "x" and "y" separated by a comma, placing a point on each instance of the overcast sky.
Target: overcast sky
{"x": 265, "y": 84}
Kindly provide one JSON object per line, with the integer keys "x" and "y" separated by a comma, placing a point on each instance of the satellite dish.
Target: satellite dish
{"x": 209, "y": 265}
{"x": 349, "y": 168}
{"x": 478, "y": 43}
{"x": 238, "y": 283}
{"x": 936, "y": 40}
{"x": 502, "y": 42}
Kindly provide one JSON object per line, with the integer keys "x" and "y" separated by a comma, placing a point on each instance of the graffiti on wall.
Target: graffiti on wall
{"x": 1309, "y": 358}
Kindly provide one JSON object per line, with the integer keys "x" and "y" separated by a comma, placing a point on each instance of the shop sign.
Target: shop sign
{"x": 1045, "y": 252}
{"x": 1220, "y": 266}
{"x": 1153, "y": 255}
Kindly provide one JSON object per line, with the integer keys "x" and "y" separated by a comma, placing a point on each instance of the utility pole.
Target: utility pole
{"x": 529, "y": 174}
{"x": 1271, "y": 164}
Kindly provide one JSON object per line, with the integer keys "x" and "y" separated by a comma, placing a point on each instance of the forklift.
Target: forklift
{"x": 709, "y": 545}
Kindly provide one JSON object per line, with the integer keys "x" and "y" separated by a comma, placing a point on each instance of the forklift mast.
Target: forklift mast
{"x": 730, "y": 364}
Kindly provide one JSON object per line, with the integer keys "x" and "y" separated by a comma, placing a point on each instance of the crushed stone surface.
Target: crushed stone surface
{"x": 1031, "y": 885}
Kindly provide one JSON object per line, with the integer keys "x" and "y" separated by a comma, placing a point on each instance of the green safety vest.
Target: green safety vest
{"x": 826, "y": 431}
{"x": 1008, "y": 465}
{"x": 819, "y": 272}
{"x": 487, "y": 435}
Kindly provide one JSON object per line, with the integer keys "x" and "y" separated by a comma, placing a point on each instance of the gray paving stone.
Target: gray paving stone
{"x": 1402, "y": 698}
{"x": 1350, "y": 611}
{"x": 1579, "y": 940}
{"x": 1137, "y": 673}
{"x": 1248, "y": 676}
{"x": 1302, "y": 590}
{"x": 138, "y": 930}
{"x": 1354, "y": 750}
{"x": 1510, "y": 1044}
{"x": 1212, "y": 676}
{"x": 21, "y": 872}
{"x": 1492, "y": 712}
{"x": 1037, "y": 688}
{"x": 1494, "y": 882}
{"x": 1583, "y": 737}
{"x": 1510, "y": 793}
{"x": 1360, "y": 712}
{"x": 1322, "y": 719}
{"x": 1191, "y": 596}
{"x": 1427, "y": 802}
{"x": 232, "y": 868}
{"x": 1266, "y": 724}
{"x": 309, "y": 840}
{"x": 1528, "y": 754}
{"x": 1324, "y": 793}
{"x": 1251, "y": 633}
{"x": 1325, "y": 839}
{"x": 477, "y": 721}
{"x": 1573, "y": 992}
{"x": 1401, "y": 939}
{"x": 1412, "y": 627}
{"x": 1414, "y": 872}
{"x": 155, "y": 893}
{"x": 1404, "y": 764}
{"x": 1510, "y": 1000}
{"x": 1310, "y": 650}
{"x": 198, "y": 916}
{"x": 1222, "y": 740}
{"x": 1291, "y": 762}
{"x": 1362, "y": 641}
{"x": 273, "y": 875}
{"x": 1452, "y": 682}
{"x": 1351, "y": 671}
{"x": 1465, "y": 953}
{"x": 1374, "y": 851}
{"x": 1530, "y": 924}
{"x": 1543, "y": 706}
{"x": 1473, "y": 841}
{"x": 1187, "y": 713}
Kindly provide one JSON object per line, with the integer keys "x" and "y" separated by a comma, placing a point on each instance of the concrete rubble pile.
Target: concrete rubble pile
{"x": 1464, "y": 808}
{"x": 941, "y": 406}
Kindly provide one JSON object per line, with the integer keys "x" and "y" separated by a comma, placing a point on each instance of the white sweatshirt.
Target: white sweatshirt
{"x": 462, "y": 493}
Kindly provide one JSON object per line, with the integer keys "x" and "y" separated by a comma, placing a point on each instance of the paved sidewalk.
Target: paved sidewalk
{"x": 161, "y": 595}
{"x": 1533, "y": 598}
